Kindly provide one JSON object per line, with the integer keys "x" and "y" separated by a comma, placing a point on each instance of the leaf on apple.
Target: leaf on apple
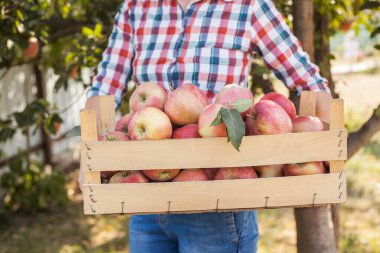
{"x": 241, "y": 105}
{"x": 235, "y": 126}
{"x": 218, "y": 118}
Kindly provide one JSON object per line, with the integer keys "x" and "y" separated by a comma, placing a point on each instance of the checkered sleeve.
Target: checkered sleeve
{"x": 282, "y": 51}
{"x": 116, "y": 64}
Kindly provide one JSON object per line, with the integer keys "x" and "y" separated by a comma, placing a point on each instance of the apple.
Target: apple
{"x": 149, "y": 124}
{"x": 188, "y": 131}
{"x": 249, "y": 121}
{"x": 122, "y": 123}
{"x": 231, "y": 93}
{"x": 211, "y": 172}
{"x": 128, "y": 177}
{"x": 191, "y": 175}
{"x": 57, "y": 127}
{"x": 306, "y": 124}
{"x": 185, "y": 104}
{"x": 74, "y": 72}
{"x": 108, "y": 173}
{"x": 235, "y": 173}
{"x": 207, "y": 116}
{"x": 283, "y": 101}
{"x": 113, "y": 136}
{"x": 274, "y": 170}
{"x": 32, "y": 50}
{"x": 308, "y": 168}
{"x": 161, "y": 175}
{"x": 269, "y": 118}
{"x": 147, "y": 95}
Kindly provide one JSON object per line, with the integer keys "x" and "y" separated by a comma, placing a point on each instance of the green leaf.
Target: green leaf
{"x": 370, "y": 5}
{"x": 377, "y": 46}
{"x": 242, "y": 104}
{"x": 375, "y": 32}
{"x": 87, "y": 31}
{"x": 98, "y": 30}
{"x": 74, "y": 132}
{"x": 218, "y": 118}
{"x": 6, "y": 133}
{"x": 235, "y": 126}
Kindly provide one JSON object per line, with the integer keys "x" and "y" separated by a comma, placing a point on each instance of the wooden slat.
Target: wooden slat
{"x": 213, "y": 152}
{"x": 308, "y": 103}
{"x": 89, "y": 132}
{"x": 322, "y": 106}
{"x": 337, "y": 122}
{"x": 215, "y": 195}
{"x": 104, "y": 107}
{"x": 88, "y": 128}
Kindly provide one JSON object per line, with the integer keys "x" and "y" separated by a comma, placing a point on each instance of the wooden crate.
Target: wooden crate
{"x": 210, "y": 196}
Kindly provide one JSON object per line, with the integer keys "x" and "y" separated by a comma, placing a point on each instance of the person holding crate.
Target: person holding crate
{"x": 208, "y": 44}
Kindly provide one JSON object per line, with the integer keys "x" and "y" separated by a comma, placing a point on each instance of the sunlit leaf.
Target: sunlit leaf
{"x": 242, "y": 104}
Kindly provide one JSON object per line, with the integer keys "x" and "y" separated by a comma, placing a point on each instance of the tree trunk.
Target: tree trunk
{"x": 303, "y": 24}
{"x": 314, "y": 233}
{"x": 322, "y": 49}
{"x": 41, "y": 94}
{"x": 323, "y": 60}
{"x": 314, "y": 229}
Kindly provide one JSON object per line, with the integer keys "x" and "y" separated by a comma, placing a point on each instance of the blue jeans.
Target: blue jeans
{"x": 222, "y": 232}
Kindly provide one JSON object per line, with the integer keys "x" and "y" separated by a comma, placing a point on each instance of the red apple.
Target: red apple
{"x": 74, "y": 72}
{"x": 108, "y": 173}
{"x": 122, "y": 123}
{"x": 113, "y": 136}
{"x": 235, "y": 173}
{"x": 32, "y": 50}
{"x": 231, "y": 93}
{"x": 306, "y": 124}
{"x": 211, "y": 172}
{"x": 161, "y": 175}
{"x": 191, "y": 175}
{"x": 249, "y": 121}
{"x": 128, "y": 177}
{"x": 207, "y": 116}
{"x": 269, "y": 118}
{"x": 283, "y": 101}
{"x": 185, "y": 104}
{"x": 147, "y": 95}
{"x": 188, "y": 131}
{"x": 274, "y": 170}
{"x": 150, "y": 124}
{"x": 309, "y": 168}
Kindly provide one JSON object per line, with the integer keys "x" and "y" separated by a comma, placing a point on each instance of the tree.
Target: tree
{"x": 314, "y": 235}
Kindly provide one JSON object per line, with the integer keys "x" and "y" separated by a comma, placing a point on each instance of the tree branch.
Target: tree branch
{"x": 357, "y": 139}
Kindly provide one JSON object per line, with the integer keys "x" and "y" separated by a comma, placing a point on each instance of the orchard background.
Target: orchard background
{"x": 48, "y": 53}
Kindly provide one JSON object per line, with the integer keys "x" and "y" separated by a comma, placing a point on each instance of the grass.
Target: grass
{"x": 65, "y": 231}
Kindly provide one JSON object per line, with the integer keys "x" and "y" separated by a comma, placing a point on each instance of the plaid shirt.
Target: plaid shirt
{"x": 210, "y": 44}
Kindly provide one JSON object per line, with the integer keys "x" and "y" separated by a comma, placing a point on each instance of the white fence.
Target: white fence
{"x": 18, "y": 88}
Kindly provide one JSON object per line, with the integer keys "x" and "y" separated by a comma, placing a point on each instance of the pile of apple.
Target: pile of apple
{"x": 187, "y": 113}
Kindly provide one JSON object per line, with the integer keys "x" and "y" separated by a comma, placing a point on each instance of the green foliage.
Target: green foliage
{"x": 234, "y": 124}
{"x": 29, "y": 187}
{"x": 38, "y": 114}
